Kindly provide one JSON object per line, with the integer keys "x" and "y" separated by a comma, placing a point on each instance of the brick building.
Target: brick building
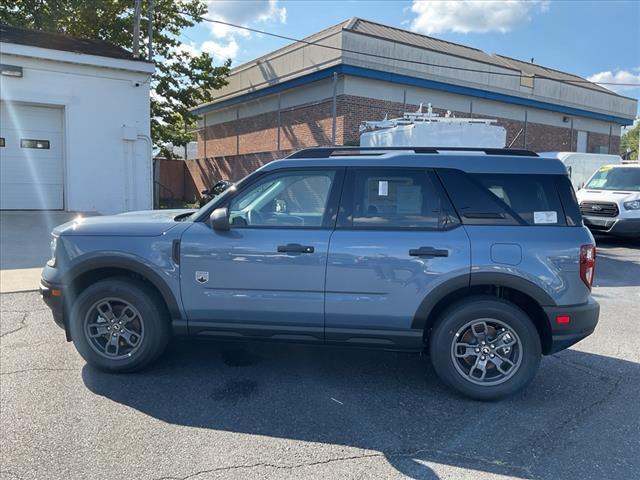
{"x": 307, "y": 95}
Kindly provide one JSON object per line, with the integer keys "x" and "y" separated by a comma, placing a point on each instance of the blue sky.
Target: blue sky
{"x": 599, "y": 40}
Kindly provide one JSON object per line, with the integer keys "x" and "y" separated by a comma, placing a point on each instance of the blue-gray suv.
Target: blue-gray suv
{"x": 477, "y": 256}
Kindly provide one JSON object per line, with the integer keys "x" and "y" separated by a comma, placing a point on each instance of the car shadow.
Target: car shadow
{"x": 384, "y": 402}
{"x": 618, "y": 262}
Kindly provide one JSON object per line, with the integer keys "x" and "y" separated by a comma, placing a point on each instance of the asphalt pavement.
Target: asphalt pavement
{"x": 210, "y": 410}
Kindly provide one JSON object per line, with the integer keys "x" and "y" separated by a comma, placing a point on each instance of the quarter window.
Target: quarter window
{"x": 289, "y": 200}
{"x": 504, "y": 199}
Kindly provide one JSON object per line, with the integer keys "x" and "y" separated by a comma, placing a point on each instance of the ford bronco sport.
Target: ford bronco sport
{"x": 477, "y": 256}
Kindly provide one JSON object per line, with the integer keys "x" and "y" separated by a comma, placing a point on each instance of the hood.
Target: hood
{"x": 615, "y": 196}
{"x": 147, "y": 223}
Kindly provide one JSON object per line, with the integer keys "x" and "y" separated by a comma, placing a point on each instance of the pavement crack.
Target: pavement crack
{"x": 406, "y": 453}
{"x": 21, "y": 325}
{"x": 536, "y": 449}
{"x": 269, "y": 465}
{"x": 9, "y": 472}
{"x": 37, "y": 369}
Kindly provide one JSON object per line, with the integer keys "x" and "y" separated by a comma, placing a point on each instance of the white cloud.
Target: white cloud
{"x": 219, "y": 50}
{"x": 617, "y": 76}
{"x": 477, "y": 16}
{"x": 243, "y": 13}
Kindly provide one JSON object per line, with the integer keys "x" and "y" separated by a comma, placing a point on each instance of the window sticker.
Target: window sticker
{"x": 545, "y": 217}
{"x": 383, "y": 188}
{"x": 605, "y": 168}
{"x": 597, "y": 182}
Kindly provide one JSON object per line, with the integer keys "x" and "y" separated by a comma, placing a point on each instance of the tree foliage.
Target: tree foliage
{"x": 629, "y": 143}
{"x": 182, "y": 80}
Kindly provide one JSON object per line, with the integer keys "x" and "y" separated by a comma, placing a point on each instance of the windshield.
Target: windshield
{"x": 609, "y": 178}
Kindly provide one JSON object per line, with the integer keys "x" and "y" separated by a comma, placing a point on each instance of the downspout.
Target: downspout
{"x": 149, "y": 155}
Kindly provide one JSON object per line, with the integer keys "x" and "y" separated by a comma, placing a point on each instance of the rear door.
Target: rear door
{"x": 265, "y": 276}
{"x": 397, "y": 239}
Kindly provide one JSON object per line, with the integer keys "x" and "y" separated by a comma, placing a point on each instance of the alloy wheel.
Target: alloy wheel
{"x": 486, "y": 351}
{"x": 114, "y": 328}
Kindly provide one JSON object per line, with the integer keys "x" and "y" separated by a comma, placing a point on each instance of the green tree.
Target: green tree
{"x": 182, "y": 79}
{"x": 629, "y": 143}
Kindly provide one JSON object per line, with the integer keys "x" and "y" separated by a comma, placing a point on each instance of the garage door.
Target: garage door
{"x": 31, "y": 167}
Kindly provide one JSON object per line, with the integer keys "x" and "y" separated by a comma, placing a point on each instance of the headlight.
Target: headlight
{"x": 53, "y": 245}
{"x": 632, "y": 205}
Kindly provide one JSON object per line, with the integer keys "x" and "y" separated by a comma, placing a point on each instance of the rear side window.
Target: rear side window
{"x": 396, "y": 198}
{"x": 504, "y": 199}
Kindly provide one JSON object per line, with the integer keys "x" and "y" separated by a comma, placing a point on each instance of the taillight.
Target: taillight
{"x": 587, "y": 264}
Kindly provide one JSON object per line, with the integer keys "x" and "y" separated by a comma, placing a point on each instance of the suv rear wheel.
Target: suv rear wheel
{"x": 485, "y": 348}
{"x": 119, "y": 325}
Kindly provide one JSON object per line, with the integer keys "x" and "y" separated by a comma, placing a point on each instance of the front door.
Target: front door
{"x": 264, "y": 277}
{"x": 397, "y": 239}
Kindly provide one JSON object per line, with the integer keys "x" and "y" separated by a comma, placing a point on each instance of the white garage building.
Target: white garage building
{"x": 74, "y": 125}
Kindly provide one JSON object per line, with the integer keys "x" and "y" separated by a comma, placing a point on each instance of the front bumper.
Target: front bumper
{"x": 584, "y": 319}
{"x": 53, "y": 297}
{"x": 624, "y": 227}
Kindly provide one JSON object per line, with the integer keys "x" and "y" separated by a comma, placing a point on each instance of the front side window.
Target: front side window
{"x": 292, "y": 199}
{"x": 609, "y": 178}
{"x": 397, "y": 199}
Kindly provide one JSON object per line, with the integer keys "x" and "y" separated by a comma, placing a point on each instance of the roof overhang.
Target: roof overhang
{"x": 356, "y": 71}
{"x": 29, "y": 51}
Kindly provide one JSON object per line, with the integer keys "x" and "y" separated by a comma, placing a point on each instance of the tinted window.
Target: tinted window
{"x": 397, "y": 198}
{"x": 569, "y": 201}
{"x": 505, "y": 199}
{"x": 283, "y": 200}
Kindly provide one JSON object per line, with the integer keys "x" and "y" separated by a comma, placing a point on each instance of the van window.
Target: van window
{"x": 504, "y": 199}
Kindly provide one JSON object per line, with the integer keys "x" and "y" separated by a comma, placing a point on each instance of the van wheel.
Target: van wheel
{"x": 485, "y": 348}
{"x": 119, "y": 325}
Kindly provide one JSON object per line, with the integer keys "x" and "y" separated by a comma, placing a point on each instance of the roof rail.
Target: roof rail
{"x": 326, "y": 152}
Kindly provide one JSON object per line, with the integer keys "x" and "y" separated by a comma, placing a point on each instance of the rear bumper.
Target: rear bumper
{"x": 584, "y": 319}
{"x": 624, "y": 227}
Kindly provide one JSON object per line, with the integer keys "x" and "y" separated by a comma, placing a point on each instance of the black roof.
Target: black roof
{"x": 60, "y": 41}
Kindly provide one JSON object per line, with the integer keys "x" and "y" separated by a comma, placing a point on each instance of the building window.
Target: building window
{"x": 1, "y": 141}
{"x": 31, "y": 143}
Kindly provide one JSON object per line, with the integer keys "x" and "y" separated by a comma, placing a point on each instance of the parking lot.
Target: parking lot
{"x": 231, "y": 410}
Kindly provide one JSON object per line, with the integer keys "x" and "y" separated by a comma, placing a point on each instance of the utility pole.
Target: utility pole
{"x": 136, "y": 29}
{"x": 152, "y": 5}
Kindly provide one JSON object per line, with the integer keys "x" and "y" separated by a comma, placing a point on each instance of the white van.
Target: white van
{"x": 610, "y": 200}
{"x": 582, "y": 165}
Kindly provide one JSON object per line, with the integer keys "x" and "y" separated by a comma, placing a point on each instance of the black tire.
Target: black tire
{"x": 152, "y": 313}
{"x": 460, "y": 315}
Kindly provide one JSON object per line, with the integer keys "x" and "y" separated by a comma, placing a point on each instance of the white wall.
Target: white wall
{"x": 104, "y": 172}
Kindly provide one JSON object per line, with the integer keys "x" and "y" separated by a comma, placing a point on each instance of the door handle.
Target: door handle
{"x": 428, "y": 252}
{"x": 295, "y": 248}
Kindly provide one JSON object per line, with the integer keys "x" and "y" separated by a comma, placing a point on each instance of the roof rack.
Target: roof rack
{"x": 326, "y": 152}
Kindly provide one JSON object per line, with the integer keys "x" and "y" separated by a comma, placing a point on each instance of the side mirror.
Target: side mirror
{"x": 219, "y": 219}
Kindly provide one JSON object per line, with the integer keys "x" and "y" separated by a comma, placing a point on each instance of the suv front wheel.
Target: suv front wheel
{"x": 119, "y": 325}
{"x": 485, "y": 348}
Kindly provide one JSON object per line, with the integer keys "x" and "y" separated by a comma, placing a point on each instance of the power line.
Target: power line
{"x": 385, "y": 57}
